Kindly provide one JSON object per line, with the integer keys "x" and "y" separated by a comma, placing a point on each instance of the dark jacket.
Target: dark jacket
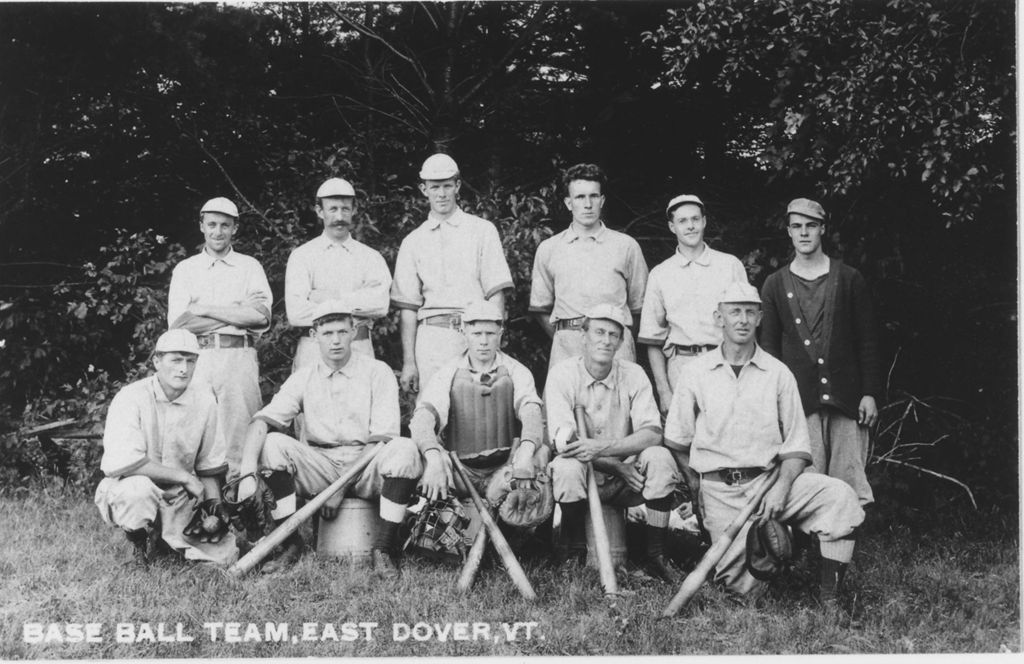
{"x": 848, "y": 358}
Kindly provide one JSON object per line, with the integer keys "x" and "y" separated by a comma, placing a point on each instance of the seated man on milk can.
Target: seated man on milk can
{"x": 349, "y": 401}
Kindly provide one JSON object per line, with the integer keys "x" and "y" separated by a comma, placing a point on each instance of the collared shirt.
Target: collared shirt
{"x": 143, "y": 425}
{"x": 618, "y": 405}
{"x": 227, "y": 281}
{"x": 573, "y": 273}
{"x": 437, "y": 395}
{"x": 322, "y": 269}
{"x": 354, "y": 405}
{"x": 444, "y": 265}
{"x": 729, "y": 421}
{"x": 681, "y": 298}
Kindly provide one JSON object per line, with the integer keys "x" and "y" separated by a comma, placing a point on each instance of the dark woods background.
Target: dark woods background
{"x": 118, "y": 121}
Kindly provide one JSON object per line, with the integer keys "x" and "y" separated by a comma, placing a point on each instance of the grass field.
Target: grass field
{"x": 914, "y": 588}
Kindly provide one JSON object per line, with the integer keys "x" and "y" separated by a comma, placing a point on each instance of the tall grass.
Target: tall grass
{"x": 912, "y": 590}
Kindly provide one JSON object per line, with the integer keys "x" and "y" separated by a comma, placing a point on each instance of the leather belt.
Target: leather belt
{"x": 569, "y": 323}
{"x": 344, "y": 443}
{"x": 224, "y": 341}
{"x": 693, "y": 350}
{"x": 733, "y": 475}
{"x": 453, "y": 321}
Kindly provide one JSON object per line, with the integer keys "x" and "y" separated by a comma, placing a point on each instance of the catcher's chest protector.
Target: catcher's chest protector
{"x": 482, "y": 416}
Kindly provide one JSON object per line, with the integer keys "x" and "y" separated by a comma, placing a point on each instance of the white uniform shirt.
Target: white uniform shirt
{"x": 226, "y": 281}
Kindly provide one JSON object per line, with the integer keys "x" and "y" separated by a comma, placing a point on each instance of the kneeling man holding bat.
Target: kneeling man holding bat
{"x": 350, "y": 401}
{"x": 735, "y": 415}
{"x": 619, "y": 430}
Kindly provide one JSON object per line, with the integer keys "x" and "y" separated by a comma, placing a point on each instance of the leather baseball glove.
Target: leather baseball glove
{"x": 522, "y": 504}
{"x": 209, "y": 522}
{"x": 253, "y": 514}
{"x": 769, "y": 549}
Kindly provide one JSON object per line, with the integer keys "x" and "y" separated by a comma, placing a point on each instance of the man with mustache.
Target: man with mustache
{"x": 332, "y": 266}
{"x": 818, "y": 319}
{"x": 223, "y": 297}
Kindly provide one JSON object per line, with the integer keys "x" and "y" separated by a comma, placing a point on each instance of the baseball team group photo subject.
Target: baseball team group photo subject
{"x": 508, "y": 329}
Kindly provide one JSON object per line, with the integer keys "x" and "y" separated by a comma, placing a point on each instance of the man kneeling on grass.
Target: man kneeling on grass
{"x": 735, "y": 414}
{"x": 349, "y": 400}
{"x": 164, "y": 460}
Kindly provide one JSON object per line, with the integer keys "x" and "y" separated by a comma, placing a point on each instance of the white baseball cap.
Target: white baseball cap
{"x": 439, "y": 167}
{"x": 482, "y": 310}
{"x": 335, "y": 187}
{"x": 739, "y": 292}
{"x": 222, "y": 205}
{"x": 609, "y": 312}
{"x": 682, "y": 199}
{"x": 332, "y": 308}
{"x": 177, "y": 341}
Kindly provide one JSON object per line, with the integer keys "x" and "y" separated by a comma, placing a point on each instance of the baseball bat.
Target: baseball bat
{"x": 494, "y": 534}
{"x": 292, "y": 523}
{"x": 601, "y": 543}
{"x": 695, "y": 579}
{"x": 473, "y": 560}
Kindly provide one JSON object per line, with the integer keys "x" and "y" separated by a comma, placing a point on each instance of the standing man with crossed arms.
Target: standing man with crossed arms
{"x": 332, "y": 266}
{"x": 677, "y": 323}
{"x": 736, "y": 413}
{"x": 633, "y": 468}
{"x": 584, "y": 266}
{"x": 819, "y": 321}
{"x": 450, "y": 260}
{"x": 223, "y": 298}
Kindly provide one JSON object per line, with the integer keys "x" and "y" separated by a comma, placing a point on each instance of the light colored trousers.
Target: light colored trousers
{"x": 569, "y": 343}
{"x": 136, "y": 502}
{"x": 315, "y": 468}
{"x": 436, "y": 347}
{"x": 816, "y": 504}
{"x": 234, "y": 375}
{"x": 839, "y": 448}
{"x": 656, "y": 464}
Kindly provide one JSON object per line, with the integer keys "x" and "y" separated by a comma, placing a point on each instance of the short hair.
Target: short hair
{"x": 671, "y": 211}
{"x": 333, "y": 318}
{"x": 591, "y": 172}
{"x": 320, "y": 200}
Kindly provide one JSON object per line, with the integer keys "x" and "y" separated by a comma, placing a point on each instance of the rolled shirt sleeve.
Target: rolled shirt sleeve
{"x": 407, "y": 287}
{"x": 211, "y": 459}
{"x": 287, "y": 403}
{"x": 682, "y": 413}
{"x": 796, "y": 442}
{"x": 384, "y": 409}
{"x": 124, "y": 442}
{"x": 643, "y": 410}
{"x": 654, "y": 326}
{"x": 542, "y": 281}
{"x": 636, "y": 279}
{"x": 559, "y": 399}
{"x": 494, "y": 273}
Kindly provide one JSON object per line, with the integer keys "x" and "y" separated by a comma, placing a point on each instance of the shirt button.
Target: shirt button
{"x": 789, "y": 295}
{"x": 807, "y": 342}
{"x": 821, "y": 360}
{"x": 797, "y": 321}
{"x": 825, "y": 397}
{"x": 824, "y": 381}
{"x": 598, "y": 430}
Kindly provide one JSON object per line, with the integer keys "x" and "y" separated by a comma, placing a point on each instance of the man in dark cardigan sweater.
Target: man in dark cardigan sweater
{"x": 819, "y": 321}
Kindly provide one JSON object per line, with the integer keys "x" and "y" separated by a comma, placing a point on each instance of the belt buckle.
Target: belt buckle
{"x": 205, "y": 341}
{"x": 733, "y": 476}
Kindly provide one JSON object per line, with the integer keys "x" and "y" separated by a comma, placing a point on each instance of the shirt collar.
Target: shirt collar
{"x": 499, "y": 361}
{"x": 348, "y": 370}
{"x": 326, "y": 243}
{"x": 571, "y": 234}
{"x": 704, "y": 259}
{"x": 184, "y": 399}
{"x": 230, "y": 258}
{"x": 454, "y": 220}
{"x": 758, "y": 360}
{"x": 608, "y": 381}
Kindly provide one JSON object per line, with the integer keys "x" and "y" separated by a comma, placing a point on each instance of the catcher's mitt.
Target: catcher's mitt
{"x": 209, "y": 523}
{"x": 253, "y": 514}
{"x": 518, "y": 503}
{"x": 769, "y": 549}
{"x": 440, "y": 528}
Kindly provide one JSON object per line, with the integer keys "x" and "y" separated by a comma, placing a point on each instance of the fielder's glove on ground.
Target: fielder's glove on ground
{"x": 253, "y": 514}
{"x": 209, "y": 523}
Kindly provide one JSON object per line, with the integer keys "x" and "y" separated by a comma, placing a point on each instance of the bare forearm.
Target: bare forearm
{"x": 634, "y": 443}
{"x": 211, "y": 487}
{"x": 659, "y": 370}
{"x": 255, "y": 436}
{"x": 544, "y": 320}
{"x": 408, "y": 325}
{"x": 162, "y": 474}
